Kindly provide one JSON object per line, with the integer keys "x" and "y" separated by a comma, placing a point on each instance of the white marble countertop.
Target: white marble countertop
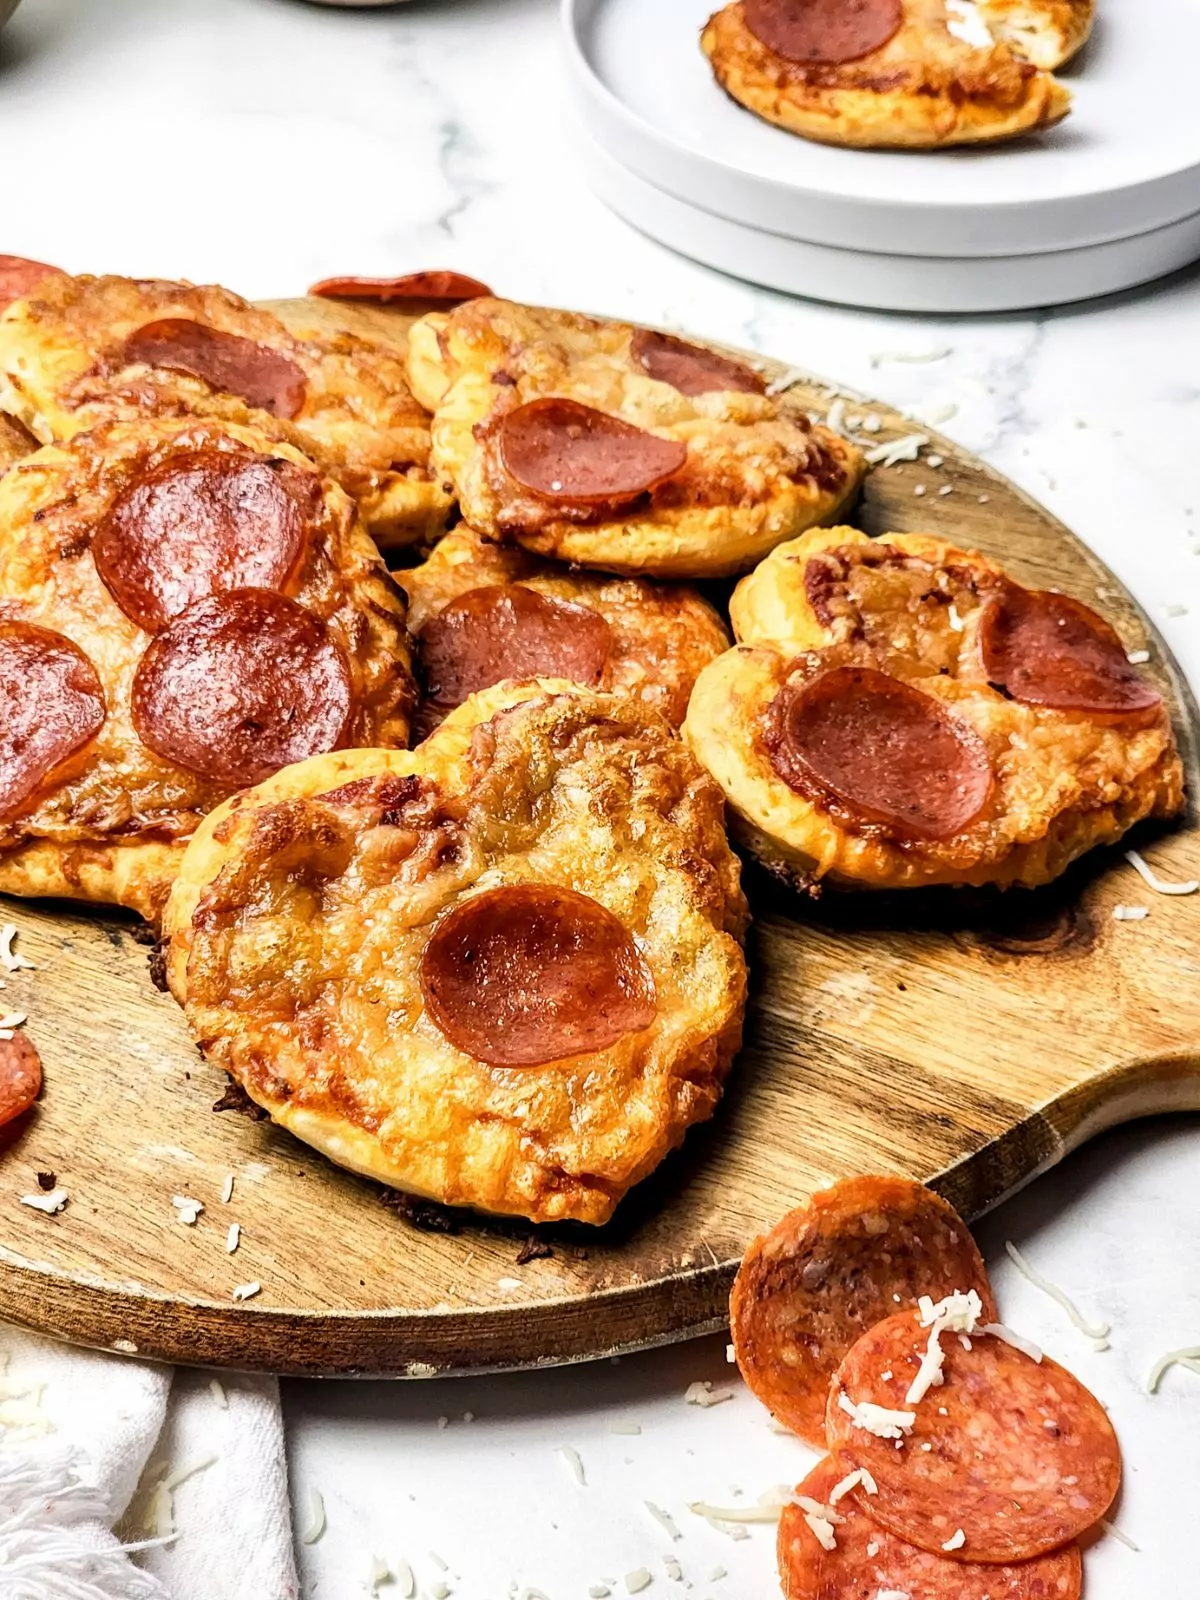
{"x": 266, "y": 143}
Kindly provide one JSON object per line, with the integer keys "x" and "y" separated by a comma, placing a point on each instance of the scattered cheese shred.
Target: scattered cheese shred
{"x": 189, "y": 1210}
{"x": 233, "y": 1237}
{"x": 227, "y": 1189}
{"x": 217, "y": 1390}
{"x": 1137, "y": 658}
{"x": 703, "y": 1394}
{"x": 247, "y": 1291}
{"x": 314, "y": 1525}
{"x": 964, "y": 22}
{"x": 672, "y": 1569}
{"x": 822, "y": 1530}
{"x": 785, "y": 381}
{"x": 406, "y": 1582}
{"x": 49, "y": 1203}
{"x": 637, "y": 1580}
{"x": 440, "y": 1590}
{"x": 599, "y": 1591}
{"x": 1097, "y": 1330}
{"x": 890, "y": 454}
{"x": 379, "y": 1573}
{"x": 664, "y": 1519}
{"x": 1130, "y": 913}
{"x": 9, "y": 960}
{"x": 1151, "y": 878}
{"x": 852, "y": 1481}
{"x": 629, "y": 1428}
{"x": 573, "y": 1460}
{"x": 1121, "y": 1538}
{"x": 955, "y": 1541}
{"x": 1025, "y": 1346}
{"x": 911, "y": 357}
{"x": 1189, "y": 1358}
{"x": 13, "y": 1020}
{"x": 884, "y": 1424}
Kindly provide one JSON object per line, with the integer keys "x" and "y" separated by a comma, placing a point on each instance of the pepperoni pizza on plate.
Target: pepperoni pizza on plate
{"x": 619, "y": 448}
{"x": 899, "y": 713}
{"x": 916, "y": 74}
{"x": 185, "y": 606}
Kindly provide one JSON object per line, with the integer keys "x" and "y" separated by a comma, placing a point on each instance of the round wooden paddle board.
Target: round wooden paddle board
{"x": 970, "y": 1041}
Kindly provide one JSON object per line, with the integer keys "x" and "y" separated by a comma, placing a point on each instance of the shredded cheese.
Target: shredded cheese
{"x": 1098, "y": 1330}
{"x": 1189, "y": 1358}
{"x": 1151, "y": 878}
{"x": 852, "y": 1481}
{"x": 1025, "y": 1346}
{"x": 9, "y": 960}
{"x": 1121, "y": 1538}
{"x": 233, "y": 1237}
{"x": 573, "y": 1460}
{"x": 227, "y": 1189}
{"x": 672, "y": 1569}
{"x": 665, "y": 1521}
{"x": 189, "y": 1210}
{"x": 247, "y": 1291}
{"x": 703, "y": 1394}
{"x": 1130, "y": 913}
{"x": 955, "y": 1541}
{"x": 11, "y": 1021}
{"x": 49, "y": 1203}
{"x": 217, "y": 1390}
{"x": 406, "y": 1581}
{"x": 912, "y": 357}
{"x": 637, "y": 1580}
{"x": 379, "y": 1573}
{"x": 884, "y": 1424}
{"x": 625, "y": 1428}
{"x": 822, "y": 1530}
{"x": 906, "y": 448}
{"x": 785, "y": 381}
{"x": 1137, "y": 658}
{"x": 314, "y": 1526}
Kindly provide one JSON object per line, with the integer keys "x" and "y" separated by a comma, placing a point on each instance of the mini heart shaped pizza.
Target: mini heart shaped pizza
{"x": 618, "y": 448}
{"x": 79, "y": 351}
{"x": 480, "y": 612}
{"x": 899, "y": 713}
{"x": 503, "y": 970}
{"x": 917, "y": 74}
{"x": 185, "y": 607}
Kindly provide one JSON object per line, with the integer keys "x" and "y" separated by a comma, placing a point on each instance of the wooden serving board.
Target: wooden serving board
{"x": 967, "y": 1040}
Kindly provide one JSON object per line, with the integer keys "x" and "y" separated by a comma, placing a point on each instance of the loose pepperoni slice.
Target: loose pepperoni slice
{"x": 563, "y": 450}
{"x": 450, "y": 287}
{"x": 867, "y": 1561}
{"x": 264, "y": 378}
{"x": 1049, "y": 650}
{"x": 834, "y": 1267}
{"x": 1021, "y": 1456}
{"x": 529, "y": 974}
{"x": 689, "y": 368}
{"x": 20, "y": 1076}
{"x": 202, "y": 522}
{"x": 824, "y": 32}
{"x": 20, "y": 277}
{"x": 509, "y": 631}
{"x": 51, "y": 705}
{"x": 241, "y": 684}
{"x": 875, "y": 751}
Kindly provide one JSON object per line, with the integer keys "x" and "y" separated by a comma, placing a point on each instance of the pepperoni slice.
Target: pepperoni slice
{"x": 867, "y": 1561}
{"x": 1049, "y": 650}
{"x": 264, "y": 378}
{"x": 202, "y": 522}
{"x": 690, "y": 368}
{"x": 524, "y": 975}
{"x": 51, "y": 705}
{"x": 241, "y": 684}
{"x": 823, "y": 32}
{"x": 563, "y": 450}
{"x": 831, "y": 1269}
{"x": 509, "y": 631}
{"x": 19, "y": 276}
{"x": 450, "y": 287}
{"x": 1021, "y": 1456}
{"x": 873, "y": 750}
{"x": 20, "y": 1076}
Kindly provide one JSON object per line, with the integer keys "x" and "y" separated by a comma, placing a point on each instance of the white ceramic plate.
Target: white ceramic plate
{"x": 885, "y": 281}
{"x": 1126, "y": 161}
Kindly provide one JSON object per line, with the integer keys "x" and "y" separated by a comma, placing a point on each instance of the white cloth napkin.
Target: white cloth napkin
{"x": 188, "y": 1467}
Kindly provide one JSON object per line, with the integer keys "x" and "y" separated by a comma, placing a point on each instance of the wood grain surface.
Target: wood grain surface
{"x": 967, "y": 1040}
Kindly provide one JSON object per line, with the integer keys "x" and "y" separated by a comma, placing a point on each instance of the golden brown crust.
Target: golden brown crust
{"x": 62, "y": 370}
{"x": 1064, "y": 781}
{"x": 757, "y": 470}
{"x": 104, "y": 828}
{"x": 927, "y": 88}
{"x": 663, "y": 635}
{"x": 301, "y": 914}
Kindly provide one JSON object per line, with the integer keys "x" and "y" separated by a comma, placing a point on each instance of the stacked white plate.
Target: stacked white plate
{"x": 1109, "y": 199}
